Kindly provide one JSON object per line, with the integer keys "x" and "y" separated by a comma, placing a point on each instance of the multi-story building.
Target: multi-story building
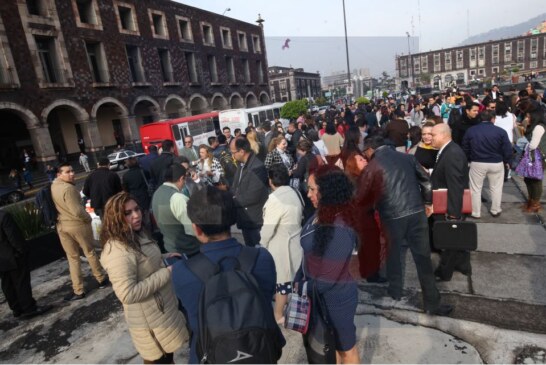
{"x": 461, "y": 65}
{"x": 98, "y": 69}
{"x": 287, "y": 83}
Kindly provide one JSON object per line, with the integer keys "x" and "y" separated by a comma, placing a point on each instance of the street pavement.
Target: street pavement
{"x": 498, "y": 317}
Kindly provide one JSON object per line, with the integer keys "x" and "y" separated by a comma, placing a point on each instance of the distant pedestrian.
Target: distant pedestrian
{"x": 51, "y": 172}
{"x": 81, "y": 145}
{"x": 84, "y": 161}
{"x": 27, "y": 175}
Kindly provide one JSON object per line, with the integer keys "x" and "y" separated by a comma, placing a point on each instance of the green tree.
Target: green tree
{"x": 292, "y": 109}
{"x": 363, "y": 100}
{"x": 321, "y": 100}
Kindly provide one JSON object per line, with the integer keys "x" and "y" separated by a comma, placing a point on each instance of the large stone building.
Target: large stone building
{"x": 98, "y": 69}
{"x": 287, "y": 83}
{"x": 461, "y": 65}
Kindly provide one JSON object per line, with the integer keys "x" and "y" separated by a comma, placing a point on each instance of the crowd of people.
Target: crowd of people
{"x": 348, "y": 186}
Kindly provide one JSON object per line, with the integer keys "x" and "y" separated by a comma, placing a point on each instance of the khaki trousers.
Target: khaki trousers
{"x": 495, "y": 175}
{"x": 72, "y": 239}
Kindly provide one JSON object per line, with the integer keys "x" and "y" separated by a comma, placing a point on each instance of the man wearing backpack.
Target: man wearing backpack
{"x": 210, "y": 279}
{"x": 74, "y": 229}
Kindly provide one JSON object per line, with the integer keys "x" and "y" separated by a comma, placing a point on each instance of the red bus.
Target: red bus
{"x": 200, "y": 127}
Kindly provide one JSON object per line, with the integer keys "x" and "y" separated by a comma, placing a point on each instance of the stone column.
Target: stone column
{"x": 92, "y": 139}
{"x": 131, "y": 132}
{"x": 43, "y": 146}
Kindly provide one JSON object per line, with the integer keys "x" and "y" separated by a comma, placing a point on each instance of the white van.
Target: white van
{"x": 239, "y": 118}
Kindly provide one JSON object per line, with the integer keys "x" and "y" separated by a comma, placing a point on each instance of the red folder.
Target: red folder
{"x": 439, "y": 201}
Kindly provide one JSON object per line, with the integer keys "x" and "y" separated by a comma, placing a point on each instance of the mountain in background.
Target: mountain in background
{"x": 505, "y": 32}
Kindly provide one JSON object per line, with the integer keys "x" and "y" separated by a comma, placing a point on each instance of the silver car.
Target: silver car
{"x": 118, "y": 159}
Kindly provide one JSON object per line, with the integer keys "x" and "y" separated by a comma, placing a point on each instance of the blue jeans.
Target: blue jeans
{"x": 410, "y": 232}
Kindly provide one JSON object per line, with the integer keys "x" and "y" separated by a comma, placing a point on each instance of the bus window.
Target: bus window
{"x": 249, "y": 119}
{"x": 176, "y": 132}
{"x": 195, "y": 128}
{"x": 216, "y": 123}
{"x": 262, "y": 117}
{"x": 256, "y": 120}
{"x": 210, "y": 125}
{"x": 277, "y": 112}
{"x": 269, "y": 113}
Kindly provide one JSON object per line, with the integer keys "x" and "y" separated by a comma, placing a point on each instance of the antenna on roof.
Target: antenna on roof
{"x": 467, "y": 23}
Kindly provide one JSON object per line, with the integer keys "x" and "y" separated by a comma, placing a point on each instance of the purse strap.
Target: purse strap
{"x": 318, "y": 299}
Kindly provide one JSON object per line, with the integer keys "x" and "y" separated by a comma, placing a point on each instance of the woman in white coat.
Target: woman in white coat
{"x": 281, "y": 233}
{"x": 141, "y": 282}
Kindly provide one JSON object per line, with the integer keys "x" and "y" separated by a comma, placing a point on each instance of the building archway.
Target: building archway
{"x": 219, "y": 102}
{"x": 236, "y": 101}
{"x": 63, "y": 118}
{"x": 146, "y": 110}
{"x": 198, "y": 104}
{"x": 109, "y": 113}
{"x": 251, "y": 100}
{"x": 18, "y": 124}
{"x": 174, "y": 107}
{"x": 264, "y": 98}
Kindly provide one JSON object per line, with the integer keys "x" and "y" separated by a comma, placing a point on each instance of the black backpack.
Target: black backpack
{"x": 236, "y": 322}
{"x": 44, "y": 202}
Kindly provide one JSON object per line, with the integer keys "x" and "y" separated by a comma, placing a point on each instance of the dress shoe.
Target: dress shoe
{"x": 105, "y": 283}
{"x": 442, "y": 310}
{"x": 474, "y": 217}
{"x": 36, "y": 312}
{"x": 73, "y": 296}
{"x": 495, "y": 215}
{"x": 376, "y": 278}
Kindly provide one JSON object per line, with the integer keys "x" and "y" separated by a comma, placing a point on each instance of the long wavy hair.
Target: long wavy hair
{"x": 253, "y": 140}
{"x": 336, "y": 193}
{"x": 114, "y": 225}
{"x": 275, "y": 142}
{"x": 209, "y": 154}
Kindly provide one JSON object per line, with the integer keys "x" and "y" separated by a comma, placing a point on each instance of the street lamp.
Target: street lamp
{"x": 411, "y": 61}
{"x": 346, "y": 46}
{"x": 227, "y": 9}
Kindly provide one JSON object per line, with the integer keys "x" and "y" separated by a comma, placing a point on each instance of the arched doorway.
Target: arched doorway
{"x": 251, "y": 100}
{"x": 175, "y": 107}
{"x": 146, "y": 110}
{"x": 13, "y": 139}
{"x": 264, "y": 99}
{"x": 62, "y": 118}
{"x": 198, "y": 105}
{"x": 109, "y": 114}
{"x": 219, "y": 102}
{"x": 236, "y": 101}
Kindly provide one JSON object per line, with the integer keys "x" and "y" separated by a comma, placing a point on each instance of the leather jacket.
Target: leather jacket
{"x": 395, "y": 184}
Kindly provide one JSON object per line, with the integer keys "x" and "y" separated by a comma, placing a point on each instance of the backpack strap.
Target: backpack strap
{"x": 202, "y": 267}
{"x": 247, "y": 258}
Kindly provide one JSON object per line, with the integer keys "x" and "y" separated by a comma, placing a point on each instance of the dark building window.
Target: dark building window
{"x": 192, "y": 67}
{"x": 208, "y": 37}
{"x": 184, "y": 29}
{"x": 260, "y": 72}
{"x": 135, "y": 64}
{"x": 246, "y": 70}
{"x": 211, "y": 60}
{"x": 226, "y": 38}
{"x": 230, "y": 70}
{"x": 159, "y": 25}
{"x": 97, "y": 61}
{"x": 48, "y": 59}
{"x": 36, "y": 7}
{"x": 126, "y": 18}
{"x": 166, "y": 67}
{"x": 86, "y": 11}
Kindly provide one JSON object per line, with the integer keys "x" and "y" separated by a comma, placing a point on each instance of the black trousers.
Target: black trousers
{"x": 17, "y": 289}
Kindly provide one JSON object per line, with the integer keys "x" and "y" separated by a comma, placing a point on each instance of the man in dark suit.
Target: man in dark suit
{"x": 161, "y": 163}
{"x": 250, "y": 190}
{"x": 451, "y": 173}
{"x": 15, "y": 271}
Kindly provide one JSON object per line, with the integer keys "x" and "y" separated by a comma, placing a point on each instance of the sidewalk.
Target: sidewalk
{"x": 502, "y": 321}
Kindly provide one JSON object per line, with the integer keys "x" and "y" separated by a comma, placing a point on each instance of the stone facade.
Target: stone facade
{"x": 98, "y": 69}
{"x": 288, "y": 84}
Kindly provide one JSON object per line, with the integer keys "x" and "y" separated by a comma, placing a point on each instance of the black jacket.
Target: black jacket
{"x": 459, "y": 128}
{"x": 135, "y": 183}
{"x": 12, "y": 243}
{"x": 160, "y": 164}
{"x": 395, "y": 184}
{"x": 250, "y": 191}
{"x": 100, "y": 185}
{"x": 451, "y": 173}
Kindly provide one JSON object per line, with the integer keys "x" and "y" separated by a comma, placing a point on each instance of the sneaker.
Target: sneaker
{"x": 73, "y": 296}
{"x": 495, "y": 215}
{"x": 36, "y": 312}
{"x": 442, "y": 310}
{"x": 103, "y": 284}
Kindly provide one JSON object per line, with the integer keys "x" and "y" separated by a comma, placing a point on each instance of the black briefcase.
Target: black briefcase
{"x": 455, "y": 235}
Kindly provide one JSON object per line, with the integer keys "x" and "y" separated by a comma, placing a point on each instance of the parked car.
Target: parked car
{"x": 9, "y": 195}
{"x": 118, "y": 158}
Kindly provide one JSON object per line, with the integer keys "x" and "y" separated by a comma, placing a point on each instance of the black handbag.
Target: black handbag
{"x": 320, "y": 339}
{"x": 455, "y": 235}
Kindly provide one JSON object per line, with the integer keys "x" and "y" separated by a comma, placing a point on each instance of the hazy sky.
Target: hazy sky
{"x": 438, "y": 24}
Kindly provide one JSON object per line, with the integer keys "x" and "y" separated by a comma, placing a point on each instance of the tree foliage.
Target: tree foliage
{"x": 321, "y": 100}
{"x": 363, "y": 100}
{"x": 292, "y": 109}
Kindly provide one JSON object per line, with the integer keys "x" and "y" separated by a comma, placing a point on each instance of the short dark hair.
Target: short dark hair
{"x": 221, "y": 139}
{"x": 229, "y": 129}
{"x": 487, "y": 115}
{"x": 330, "y": 128}
{"x": 237, "y": 130}
{"x": 174, "y": 172}
{"x": 374, "y": 142}
{"x": 304, "y": 145}
{"x": 103, "y": 161}
{"x": 470, "y": 105}
{"x": 278, "y": 173}
{"x": 62, "y": 164}
{"x": 211, "y": 140}
{"x": 266, "y": 126}
{"x": 152, "y": 148}
{"x": 167, "y": 145}
{"x": 241, "y": 143}
{"x": 212, "y": 210}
